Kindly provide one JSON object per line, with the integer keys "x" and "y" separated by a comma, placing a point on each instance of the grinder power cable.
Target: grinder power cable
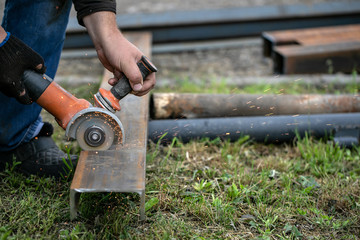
{"x": 95, "y": 128}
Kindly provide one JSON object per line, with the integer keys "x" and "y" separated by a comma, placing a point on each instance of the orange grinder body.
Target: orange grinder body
{"x": 53, "y": 98}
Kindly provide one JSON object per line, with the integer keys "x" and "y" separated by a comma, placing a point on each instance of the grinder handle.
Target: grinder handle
{"x": 123, "y": 87}
{"x": 35, "y": 83}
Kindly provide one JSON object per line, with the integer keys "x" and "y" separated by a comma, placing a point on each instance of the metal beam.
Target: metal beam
{"x": 122, "y": 170}
{"x": 225, "y": 23}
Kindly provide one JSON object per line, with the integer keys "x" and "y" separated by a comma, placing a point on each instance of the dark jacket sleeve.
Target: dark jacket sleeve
{"x": 87, "y": 7}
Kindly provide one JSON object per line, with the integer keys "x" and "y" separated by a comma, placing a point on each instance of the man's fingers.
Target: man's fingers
{"x": 40, "y": 68}
{"x": 24, "y": 98}
{"x": 132, "y": 72}
{"x": 113, "y": 81}
{"x": 21, "y": 94}
{"x": 149, "y": 84}
{"x": 37, "y": 63}
{"x": 118, "y": 74}
{"x": 137, "y": 87}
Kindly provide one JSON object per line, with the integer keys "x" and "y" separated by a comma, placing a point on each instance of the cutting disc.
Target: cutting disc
{"x": 95, "y": 134}
{"x": 95, "y": 129}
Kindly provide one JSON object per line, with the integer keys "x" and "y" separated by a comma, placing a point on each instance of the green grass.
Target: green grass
{"x": 308, "y": 189}
{"x": 203, "y": 190}
{"x": 297, "y": 86}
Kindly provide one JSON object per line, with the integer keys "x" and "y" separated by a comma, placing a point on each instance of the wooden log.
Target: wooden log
{"x": 174, "y": 105}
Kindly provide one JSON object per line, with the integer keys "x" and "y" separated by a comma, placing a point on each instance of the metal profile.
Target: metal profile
{"x": 208, "y": 24}
{"x": 120, "y": 170}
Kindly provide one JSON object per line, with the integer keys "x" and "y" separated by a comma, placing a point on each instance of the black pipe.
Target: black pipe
{"x": 273, "y": 129}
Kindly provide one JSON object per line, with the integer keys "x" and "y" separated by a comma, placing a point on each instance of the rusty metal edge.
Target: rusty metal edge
{"x": 75, "y": 192}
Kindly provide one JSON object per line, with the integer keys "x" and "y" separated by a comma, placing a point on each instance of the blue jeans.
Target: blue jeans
{"x": 41, "y": 24}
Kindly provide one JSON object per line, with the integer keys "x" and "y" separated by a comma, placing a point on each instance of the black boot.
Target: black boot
{"x": 5, "y": 158}
{"x": 42, "y": 157}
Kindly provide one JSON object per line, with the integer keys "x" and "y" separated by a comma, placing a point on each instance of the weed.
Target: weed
{"x": 203, "y": 186}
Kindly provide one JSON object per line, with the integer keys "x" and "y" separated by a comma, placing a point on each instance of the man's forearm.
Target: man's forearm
{"x": 101, "y": 26}
{"x": 115, "y": 52}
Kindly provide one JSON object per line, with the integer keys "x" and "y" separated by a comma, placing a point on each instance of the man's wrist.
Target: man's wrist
{"x": 4, "y": 36}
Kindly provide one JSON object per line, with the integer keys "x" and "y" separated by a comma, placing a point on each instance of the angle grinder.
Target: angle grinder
{"x": 95, "y": 128}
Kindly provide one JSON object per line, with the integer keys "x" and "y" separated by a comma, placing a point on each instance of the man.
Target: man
{"x": 31, "y": 37}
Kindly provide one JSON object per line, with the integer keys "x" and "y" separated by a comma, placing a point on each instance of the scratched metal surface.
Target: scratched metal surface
{"x": 119, "y": 170}
{"x": 110, "y": 171}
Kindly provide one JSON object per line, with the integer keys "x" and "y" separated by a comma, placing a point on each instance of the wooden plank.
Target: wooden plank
{"x": 310, "y": 36}
{"x": 315, "y": 50}
{"x": 336, "y": 57}
{"x": 120, "y": 170}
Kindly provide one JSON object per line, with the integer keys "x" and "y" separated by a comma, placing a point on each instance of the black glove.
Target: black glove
{"x": 15, "y": 58}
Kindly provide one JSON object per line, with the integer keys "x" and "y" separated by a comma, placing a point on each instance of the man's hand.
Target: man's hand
{"x": 116, "y": 53}
{"x": 15, "y": 58}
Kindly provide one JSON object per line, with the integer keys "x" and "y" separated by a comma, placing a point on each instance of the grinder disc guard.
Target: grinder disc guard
{"x": 96, "y": 129}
